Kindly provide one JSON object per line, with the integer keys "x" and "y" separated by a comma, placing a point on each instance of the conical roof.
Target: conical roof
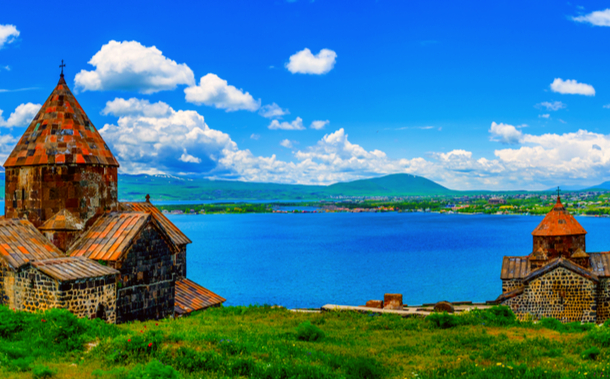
{"x": 63, "y": 221}
{"x": 61, "y": 133}
{"x": 559, "y": 222}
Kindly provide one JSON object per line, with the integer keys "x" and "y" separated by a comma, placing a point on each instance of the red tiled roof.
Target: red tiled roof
{"x": 63, "y": 221}
{"x": 61, "y": 133}
{"x": 21, "y": 242}
{"x": 191, "y": 296}
{"x": 177, "y": 237}
{"x": 73, "y": 268}
{"x": 110, "y": 236}
{"x": 515, "y": 267}
{"x": 558, "y": 222}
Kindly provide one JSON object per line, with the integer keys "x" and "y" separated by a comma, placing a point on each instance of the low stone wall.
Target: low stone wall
{"x": 560, "y": 294}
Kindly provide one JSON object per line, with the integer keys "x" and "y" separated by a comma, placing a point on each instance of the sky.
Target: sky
{"x": 502, "y": 95}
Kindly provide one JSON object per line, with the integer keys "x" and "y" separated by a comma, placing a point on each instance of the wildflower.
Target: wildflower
{"x": 141, "y": 331}
{"x": 149, "y": 344}
{"x": 499, "y": 364}
{"x": 129, "y": 340}
{"x": 156, "y": 324}
{"x": 144, "y": 326}
{"x": 43, "y": 321}
{"x": 509, "y": 367}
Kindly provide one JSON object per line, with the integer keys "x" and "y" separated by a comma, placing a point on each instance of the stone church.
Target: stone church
{"x": 67, "y": 242}
{"x": 559, "y": 279}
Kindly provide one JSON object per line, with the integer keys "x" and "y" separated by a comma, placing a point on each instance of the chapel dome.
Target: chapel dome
{"x": 61, "y": 133}
{"x": 559, "y": 222}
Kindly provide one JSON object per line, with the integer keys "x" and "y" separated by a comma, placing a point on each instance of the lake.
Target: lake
{"x": 308, "y": 260}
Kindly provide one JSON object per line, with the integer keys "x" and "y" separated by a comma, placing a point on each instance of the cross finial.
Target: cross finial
{"x": 558, "y": 191}
{"x": 147, "y": 198}
{"x": 62, "y": 68}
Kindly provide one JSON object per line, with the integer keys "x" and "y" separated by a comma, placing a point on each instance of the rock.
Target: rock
{"x": 443, "y": 306}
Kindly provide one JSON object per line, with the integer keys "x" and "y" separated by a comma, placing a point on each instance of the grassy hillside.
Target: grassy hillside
{"x": 177, "y": 188}
{"x": 263, "y": 342}
{"x": 390, "y": 185}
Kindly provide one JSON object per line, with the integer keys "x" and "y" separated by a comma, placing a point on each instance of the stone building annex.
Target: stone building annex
{"x": 67, "y": 242}
{"x": 559, "y": 279}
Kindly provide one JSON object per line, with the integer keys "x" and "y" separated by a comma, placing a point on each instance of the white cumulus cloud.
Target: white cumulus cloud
{"x": 597, "y": 18}
{"x": 181, "y": 142}
{"x": 216, "y": 92}
{"x": 554, "y": 106}
{"x": 130, "y": 66}
{"x": 607, "y": 106}
{"x": 319, "y": 124}
{"x": 188, "y": 158}
{"x": 505, "y": 133}
{"x": 286, "y": 143}
{"x": 545, "y": 115}
{"x": 21, "y": 117}
{"x": 134, "y": 106}
{"x": 255, "y": 136}
{"x": 272, "y": 111}
{"x": 571, "y": 86}
{"x": 296, "y": 125}
{"x": 171, "y": 143}
{"x": 8, "y": 33}
{"x": 304, "y": 62}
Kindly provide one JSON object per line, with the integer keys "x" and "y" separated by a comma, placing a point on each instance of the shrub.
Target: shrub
{"x": 154, "y": 370}
{"x": 600, "y": 336}
{"x": 309, "y": 333}
{"x": 43, "y": 372}
{"x": 591, "y": 353}
{"x": 443, "y": 320}
{"x": 551, "y": 324}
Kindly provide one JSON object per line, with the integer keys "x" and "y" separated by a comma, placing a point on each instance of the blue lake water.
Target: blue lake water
{"x": 308, "y": 260}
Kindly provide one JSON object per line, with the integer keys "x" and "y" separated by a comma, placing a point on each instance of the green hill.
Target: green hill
{"x": 162, "y": 187}
{"x": 389, "y": 185}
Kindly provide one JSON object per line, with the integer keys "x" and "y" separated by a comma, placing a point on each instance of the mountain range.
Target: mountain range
{"x": 172, "y": 188}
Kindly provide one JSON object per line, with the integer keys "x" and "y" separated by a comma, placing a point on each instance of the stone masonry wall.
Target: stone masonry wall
{"x": 85, "y": 298}
{"x": 147, "y": 283}
{"x": 559, "y": 246}
{"x": 7, "y": 285}
{"x": 508, "y": 285}
{"x": 603, "y": 300}
{"x": 35, "y": 291}
{"x": 90, "y": 298}
{"x": 38, "y": 192}
{"x": 560, "y": 294}
{"x": 180, "y": 262}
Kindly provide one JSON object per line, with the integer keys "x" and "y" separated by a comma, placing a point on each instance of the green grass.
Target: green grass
{"x": 264, "y": 342}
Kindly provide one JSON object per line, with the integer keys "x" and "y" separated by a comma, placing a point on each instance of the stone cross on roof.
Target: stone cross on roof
{"x": 62, "y": 67}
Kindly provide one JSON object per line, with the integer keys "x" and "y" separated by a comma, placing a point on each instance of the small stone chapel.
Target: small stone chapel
{"x": 559, "y": 278}
{"x": 67, "y": 242}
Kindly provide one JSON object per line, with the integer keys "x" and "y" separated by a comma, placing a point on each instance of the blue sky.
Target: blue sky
{"x": 478, "y": 95}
